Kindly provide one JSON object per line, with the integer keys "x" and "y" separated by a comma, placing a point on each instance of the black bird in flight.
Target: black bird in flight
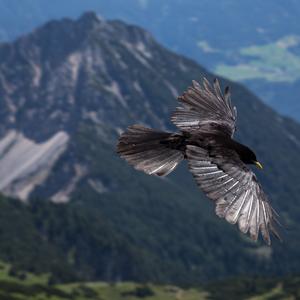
{"x": 207, "y": 122}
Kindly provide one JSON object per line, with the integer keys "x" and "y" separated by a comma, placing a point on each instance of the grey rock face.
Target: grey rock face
{"x": 68, "y": 74}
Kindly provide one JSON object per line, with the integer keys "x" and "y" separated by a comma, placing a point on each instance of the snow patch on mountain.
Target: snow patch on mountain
{"x": 135, "y": 50}
{"x": 97, "y": 185}
{"x": 74, "y": 62}
{"x": 37, "y": 75}
{"x": 24, "y": 164}
{"x": 172, "y": 89}
{"x": 115, "y": 89}
{"x": 138, "y": 88}
{"x": 141, "y": 47}
{"x": 63, "y": 195}
{"x": 293, "y": 139}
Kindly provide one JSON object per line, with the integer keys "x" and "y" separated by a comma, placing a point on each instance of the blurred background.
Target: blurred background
{"x": 76, "y": 222}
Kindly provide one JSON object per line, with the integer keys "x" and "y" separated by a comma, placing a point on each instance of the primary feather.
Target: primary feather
{"x": 205, "y": 109}
{"x": 235, "y": 190}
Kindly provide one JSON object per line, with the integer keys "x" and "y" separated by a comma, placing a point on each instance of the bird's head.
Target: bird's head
{"x": 248, "y": 156}
{"x": 253, "y": 160}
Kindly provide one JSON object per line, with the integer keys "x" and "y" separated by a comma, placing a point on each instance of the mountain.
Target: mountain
{"x": 67, "y": 90}
{"x": 261, "y": 49}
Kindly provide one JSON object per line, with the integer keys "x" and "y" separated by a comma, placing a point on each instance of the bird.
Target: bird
{"x": 220, "y": 165}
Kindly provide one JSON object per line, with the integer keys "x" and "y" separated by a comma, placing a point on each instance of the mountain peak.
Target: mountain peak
{"x": 90, "y": 19}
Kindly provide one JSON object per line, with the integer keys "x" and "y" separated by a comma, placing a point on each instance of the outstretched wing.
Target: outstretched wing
{"x": 234, "y": 188}
{"x": 206, "y": 109}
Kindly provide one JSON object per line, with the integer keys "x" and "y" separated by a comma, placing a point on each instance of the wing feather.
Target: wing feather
{"x": 205, "y": 109}
{"x": 238, "y": 196}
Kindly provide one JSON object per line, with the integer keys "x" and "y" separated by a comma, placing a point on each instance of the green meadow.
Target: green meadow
{"x": 18, "y": 285}
{"x": 272, "y": 62}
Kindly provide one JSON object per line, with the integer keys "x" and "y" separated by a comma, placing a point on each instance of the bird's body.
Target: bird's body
{"x": 180, "y": 141}
{"x": 218, "y": 163}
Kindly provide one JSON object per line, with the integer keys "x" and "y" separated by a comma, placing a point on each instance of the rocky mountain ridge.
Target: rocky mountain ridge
{"x": 68, "y": 73}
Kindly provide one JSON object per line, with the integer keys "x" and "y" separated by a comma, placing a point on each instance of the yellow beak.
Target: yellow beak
{"x": 258, "y": 164}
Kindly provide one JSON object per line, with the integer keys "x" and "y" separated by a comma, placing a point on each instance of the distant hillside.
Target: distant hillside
{"x": 67, "y": 90}
{"x": 204, "y": 18}
{"x": 20, "y": 285}
{"x": 261, "y": 49}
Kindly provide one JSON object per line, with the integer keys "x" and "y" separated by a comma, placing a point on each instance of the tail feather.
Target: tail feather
{"x": 147, "y": 150}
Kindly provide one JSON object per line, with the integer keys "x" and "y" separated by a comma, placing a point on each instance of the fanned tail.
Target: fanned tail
{"x": 150, "y": 151}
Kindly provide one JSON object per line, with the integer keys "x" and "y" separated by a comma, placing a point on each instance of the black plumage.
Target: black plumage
{"x": 207, "y": 122}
